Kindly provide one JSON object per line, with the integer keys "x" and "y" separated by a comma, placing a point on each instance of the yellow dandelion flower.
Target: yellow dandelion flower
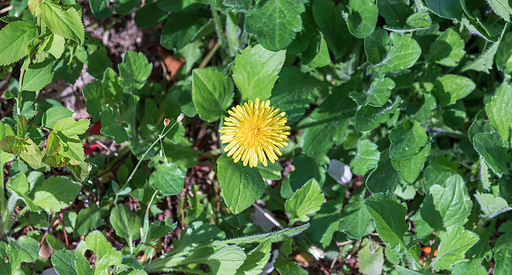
{"x": 255, "y": 132}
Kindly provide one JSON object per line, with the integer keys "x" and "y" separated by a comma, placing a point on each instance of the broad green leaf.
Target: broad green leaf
{"x": 105, "y": 253}
{"x": 19, "y": 183}
{"x": 64, "y": 262}
{"x": 14, "y": 255}
{"x": 503, "y": 254}
{"x": 361, "y": 17}
{"x": 370, "y": 257}
{"x": 474, "y": 267}
{"x": 64, "y": 21}
{"x": 124, "y": 7}
{"x": 22, "y": 126}
{"x": 417, "y": 21}
{"x": 14, "y": 41}
{"x": 5, "y": 130}
{"x": 499, "y": 111}
{"x": 37, "y": 76}
{"x": 328, "y": 17}
{"x": 403, "y": 53}
{"x": 288, "y": 267}
{"x": 56, "y": 193}
{"x": 28, "y": 247}
{"x": 404, "y": 271}
{"x": 256, "y": 259}
{"x": 375, "y": 45}
{"x": 212, "y": 93}
{"x": 241, "y": 185}
{"x": 293, "y": 92}
{"x": 385, "y": 177}
{"x": 110, "y": 127}
{"x": 395, "y": 13}
{"x": 484, "y": 62}
{"x": 325, "y": 223}
{"x": 406, "y": 139}
{"x": 25, "y": 148}
{"x": 134, "y": 70}
{"x": 306, "y": 201}
{"x": 88, "y": 219}
{"x": 504, "y": 54}
{"x": 410, "y": 168}
{"x": 450, "y": 9}
{"x": 320, "y": 58}
{"x": 275, "y": 22}
{"x": 450, "y": 88}
{"x": 277, "y": 236}
{"x": 69, "y": 126}
{"x": 57, "y": 47}
{"x": 389, "y": 216}
{"x": 179, "y": 29}
{"x": 366, "y": 158}
{"x": 149, "y": 15}
{"x": 368, "y": 118}
{"x": 100, "y": 9}
{"x": 491, "y": 206}
{"x": 273, "y": 171}
{"x": 454, "y": 245}
{"x": 501, "y": 8}
{"x": 72, "y": 148}
{"x": 306, "y": 168}
{"x": 52, "y": 115}
{"x": 377, "y": 95}
{"x": 493, "y": 149}
{"x": 448, "y": 49}
{"x": 330, "y": 121}
{"x": 447, "y": 205}
{"x": 355, "y": 219}
{"x": 159, "y": 229}
{"x": 168, "y": 179}
{"x": 255, "y": 70}
{"x": 196, "y": 234}
{"x": 126, "y": 223}
{"x": 226, "y": 261}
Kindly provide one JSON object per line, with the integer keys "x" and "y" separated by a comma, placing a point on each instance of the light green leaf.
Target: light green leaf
{"x": 501, "y": 8}
{"x": 87, "y": 220}
{"x": 419, "y": 20}
{"x": 325, "y": 223}
{"x": 503, "y": 254}
{"x": 64, "y": 262}
{"x": 255, "y": 71}
{"x": 37, "y": 76}
{"x": 361, "y": 17}
{"x": 64, "y": 21}
{"x": 406, "y": 139}
{"x": 106, "y": 254}
{"x": 14, "y": 41}
{"x": 385, "y": 177}
{"x": 69, "y": 126}
{"x": 491, "y": 206}
{"x": 227, "y": 260}
{"x": 241, "y": 185}
{"x": 72, "y": 148}
{"x": 389, "y": 216}
{"x": 403, "y": 53}
{"x": 273, "y": 171}
{"x": 493, "y": 149}
{"x": 375, "y": 45}
{"x": 180, "y": 29}
{"x": 306, "y": 201}
{"x": 275, "y": 22}
{"x": 56, "y": 193}
{"x": 159, "y": 229}
{"x": 474, "y": 267}
{"x": 328, "y": 17}
{"x": 404, "y": 271}
{"x": 368, "y": 118}
{"x": 320, "y": 58}
{"x": 447, "y": 205}
{"x": 212, "y": 93}
{"x": 5, "y": 130}
{"x": 484, "y": 62}
{"x": 377, "y": 95}
{"x": 454, "y": 245}
{"x": 288, "y": 267}
{"x": 52, "y": 115}
{"x": 126, "y": 223}
{"x": 25, "y": 148}
{"x": 168, "y": 179}
{"x": 256, "y": 259}
{"x": 450, "y": 88}
{"x": 410, "y": 168}
{"x": 448, "y": 49}
{"x": 504, "y": 54}
{"x": 111, "y": 128}
{"x": 370, "y": 257}
{"x": 355, "y": 219}
{"x": 366, "y": 158}
{"x": 28, "y": 247}
{"x": 499, "y": 111}
{"x": 134, "y": 70}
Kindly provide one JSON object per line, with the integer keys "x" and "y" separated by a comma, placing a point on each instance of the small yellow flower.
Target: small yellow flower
{"x": 255, "y": 132}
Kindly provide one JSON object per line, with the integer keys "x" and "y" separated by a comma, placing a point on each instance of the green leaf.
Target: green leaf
{"x": 134, "y": 70}
{"x": 419, "y": 20}
{"x": 126, "y": 223}
{"x": 370, "y": 257}
{"x": 64, "y": 262}
{"x": 69, "y": 126}
{"x": 474, "y": 266}
{"x": 14, "y": 41}
{"x": 25, "y": 148}
{"x": 325, "y": 223}
{"x": 321, "y": 56}
{"x": 275, "y": 22}
{"x": 14, "y": 255}
{"x": 450, "y": 88}
{"x": 484, "y": 62}
{"x": 288, "y": 267}
{"x": 403, "y": 53}
{"x": 111, "y": 128}
{"x": 64, "y": 21}
{"x": 328, "y": 17}
{"x": 255, "y": 71}
{"x": 450, "y": 9}
{"x": 499, "y": 111}
{"x": 501, "y": 8}
{"x": 306, "y": 201}
{"x": 377, "y": 95}
{"x": 406, "y": 139}
{"x": 241, "y": 185}
{"x": 294, "y": 92}
{"x": 72, "y": 148}
{"x": 389, "y": 216}
{"x": 38, "y": 75}
{"x": 5, "y": 130}
{"x": 306, "y": 168}
{"x": 226, "y": 261}
{"x": 159, "y": 229}
{"x": 361, "y": 17}
{"x": 385, "y": 177}
{"x": 56, "y": 193}
{"x": 52, "y": 115}
{"x": 447, "y": 205}
{"x": 168, "y": 179}
{"x": 375, "y": 45}
{"x": 179, "y": 29}
{"x": 491, "y": 206}
{"x": 454, "y": 245}
{"x": 271, "y": 172}
{"x": 256, "y": 259}
{"x": 410, "y": 168}
{"x": 366, "y": 158}
{"x": 503, "y": 254}
{"x": 448, "y": 49}
{"x": 100, "y": 9}
{"x": 494, "y": 150}
{"x": 87, "y": 220}
{"x": 212, "y": 93}
{"x": 368, "y": 118}
{"x": 22, "y": 126}
{"x": 105, "y": 253}
{"x": 149, "y": 15}
{"x": 356, "y": 222}
{"x": 504, "y": 54}
{"x": 404, "y": 271}
{"x": 28, "y": 247}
